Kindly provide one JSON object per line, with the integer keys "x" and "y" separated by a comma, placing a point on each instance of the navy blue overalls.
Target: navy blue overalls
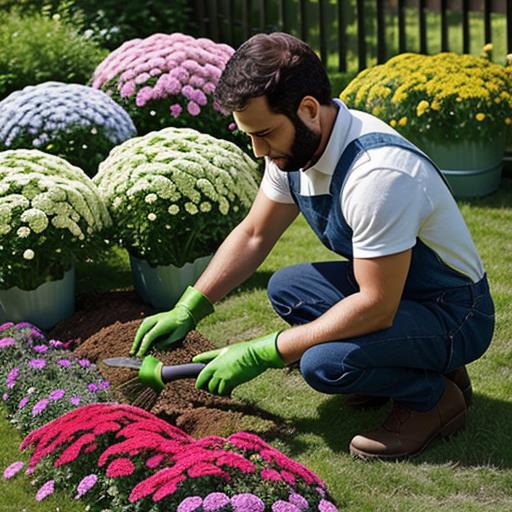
{"x": 444, "y": 319}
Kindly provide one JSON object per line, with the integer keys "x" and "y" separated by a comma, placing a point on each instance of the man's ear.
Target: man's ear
{"x": 309, "y": 112}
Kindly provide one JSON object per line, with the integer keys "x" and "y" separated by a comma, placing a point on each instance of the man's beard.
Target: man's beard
{"x": 305, "y": 143}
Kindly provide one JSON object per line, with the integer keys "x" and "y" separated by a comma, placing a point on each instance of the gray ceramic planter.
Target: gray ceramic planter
{"x": 45, "y": 306}
{"x": 162, "y": 286}
{"x": 473, "y": 169}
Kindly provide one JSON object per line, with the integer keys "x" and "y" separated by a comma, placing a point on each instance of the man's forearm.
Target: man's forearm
{"x": 235, "y": 261}
{"x": 355, "y": 315}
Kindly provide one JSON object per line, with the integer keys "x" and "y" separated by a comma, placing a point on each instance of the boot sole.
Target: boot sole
{"x": 454, "y": 425}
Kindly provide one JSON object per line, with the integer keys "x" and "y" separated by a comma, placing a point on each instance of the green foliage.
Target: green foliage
{"x": 111, "y": 22}
{"x": 36, "y": 48}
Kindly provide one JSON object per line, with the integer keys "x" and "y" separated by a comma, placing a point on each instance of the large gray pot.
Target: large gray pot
{"x": 45, "y": 306}
{"x": 473, "y": 169}
{"x": 162, "y": 286}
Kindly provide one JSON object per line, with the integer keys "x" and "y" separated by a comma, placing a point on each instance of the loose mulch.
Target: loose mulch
{"x": 105, "y": 324}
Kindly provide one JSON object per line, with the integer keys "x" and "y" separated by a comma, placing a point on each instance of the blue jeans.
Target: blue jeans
{"x": 430, "y": 336}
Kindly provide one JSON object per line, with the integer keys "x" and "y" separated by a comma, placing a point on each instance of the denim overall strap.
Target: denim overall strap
{"x": 428, "y": 273}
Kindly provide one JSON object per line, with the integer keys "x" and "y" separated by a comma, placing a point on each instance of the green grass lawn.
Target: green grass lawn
{"x": 471, "y": 472}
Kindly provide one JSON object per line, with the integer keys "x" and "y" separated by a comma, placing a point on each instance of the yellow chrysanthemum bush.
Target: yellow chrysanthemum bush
{"x": 430, "y": 96}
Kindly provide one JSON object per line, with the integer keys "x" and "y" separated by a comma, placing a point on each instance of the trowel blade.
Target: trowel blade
{"x": 124, "y": 362}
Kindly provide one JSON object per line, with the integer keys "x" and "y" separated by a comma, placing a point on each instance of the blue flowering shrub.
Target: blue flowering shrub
{"x": 51, "y": 214}
{"x": 175, "y": 194}
{"x": 73, "y": 121}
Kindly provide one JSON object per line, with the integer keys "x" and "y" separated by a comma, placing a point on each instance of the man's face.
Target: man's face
{"x": 289, "y": 143}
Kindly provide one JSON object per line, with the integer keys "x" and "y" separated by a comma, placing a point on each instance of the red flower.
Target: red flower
{"x": 120, "y": 467}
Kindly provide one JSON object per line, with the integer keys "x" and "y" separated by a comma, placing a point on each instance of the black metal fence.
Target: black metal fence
{"x": 354, "y": 33}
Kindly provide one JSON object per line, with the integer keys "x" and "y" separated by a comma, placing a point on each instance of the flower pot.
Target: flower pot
{"x": 44, "y": 307}
{"x": 473, "y": 169}
{"x": 162, "y": 286}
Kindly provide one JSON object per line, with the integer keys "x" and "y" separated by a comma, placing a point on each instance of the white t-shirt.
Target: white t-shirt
{"x": 390, "y": 197}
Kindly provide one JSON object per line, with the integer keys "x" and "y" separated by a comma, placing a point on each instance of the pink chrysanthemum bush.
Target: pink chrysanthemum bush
{"x": 168, "y": 80}
{"x": 40, "y": 380}
{"x": 119, "y": 457}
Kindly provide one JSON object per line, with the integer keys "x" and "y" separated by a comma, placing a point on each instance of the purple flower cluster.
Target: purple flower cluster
{"x": 175, "y": 67}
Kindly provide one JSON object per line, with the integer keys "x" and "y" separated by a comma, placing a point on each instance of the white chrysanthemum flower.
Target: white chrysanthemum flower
{"x": 29, "y": 254}
{"x": 151, "y": 198}
{"x": 23, "y": 232}
{"x": 173, "y": 209}
{"x": 191, "y": 208}
{"x": 151, "y": 217}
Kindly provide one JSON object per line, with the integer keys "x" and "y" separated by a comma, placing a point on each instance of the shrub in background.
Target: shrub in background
{"x": 168, "y": 80}
{"x": 50, "y": 214}
{"x": 428, "y": 96}
{"x": 119, "y": 457}
{"x": 111, "y": 22}
{"x": 174, "y": 195}
{"x": 75, "y": 122}
{"x": 36, "y": 48}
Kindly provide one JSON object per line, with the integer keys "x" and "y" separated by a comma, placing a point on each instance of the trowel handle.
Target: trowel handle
{"x": 181, "y": 371}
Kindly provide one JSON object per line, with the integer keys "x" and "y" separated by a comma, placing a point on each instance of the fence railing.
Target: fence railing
{"x": 351, "y": 34}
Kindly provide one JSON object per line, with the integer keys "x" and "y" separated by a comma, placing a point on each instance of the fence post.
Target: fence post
{"x": 361, "y": 35}
{"x": 342, "y": 36}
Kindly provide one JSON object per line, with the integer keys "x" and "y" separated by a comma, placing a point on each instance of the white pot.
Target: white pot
{"x": 163, "y": 285}
{"x": 44, "y": 307}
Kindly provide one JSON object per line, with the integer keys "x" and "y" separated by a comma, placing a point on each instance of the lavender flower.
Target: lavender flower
{"x": 284, "y": 506}
{"x": 75, "y": 400}
{"x": 85, "y": 485}
{"x": 247, "y": 502}
{"x": 93, "y": 388}
{"x": 103, "y": 384}
{"x": 190, "y": 504}
{"x": 23, "y": 402}
{"x": 56, "y": 343}
{"x": 38, "y": 364}
{"x": 12, "y": 376}
{"x": 40, "y": 349}
{"x": 40, "y": 406}
{"x": 298, "y": 500}
{"x": 215, "y": 501}
{"x": 13, "y": 469}
{"x": 326, "y": 506}
{"x": 5, "y": 397}
{"x": 57, "y": 394}
{"x": 65, "y": 363}
{"x": 7, "y": 342}
{"x": 45, "y": 490}
{"x": 84, "y": 363}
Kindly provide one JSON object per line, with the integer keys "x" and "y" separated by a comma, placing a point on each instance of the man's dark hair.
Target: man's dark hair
{"x": 277, "y": 65}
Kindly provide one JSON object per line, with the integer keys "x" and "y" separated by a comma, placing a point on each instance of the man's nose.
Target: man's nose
{"x": 259, "y": 147}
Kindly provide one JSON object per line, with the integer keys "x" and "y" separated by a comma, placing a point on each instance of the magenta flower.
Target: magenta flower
{"x": 299, "y": 501}
{"x": 5, "y": 397}
{"x": 154, "y": 461}
{"x": 247, "y": 502}
{"x": 193, "y": 108}
{"x": 56, "y": 343}
{"x": 84, "y": 363}
{"x": 320, "y": 491}
{"x": 271, "y": 475}
{"x": 45, "y": 490}
{"x": 232, "y": 127}
{"x": 284, "y": 506}
{"x": 176, "y": 110}
{"x": 93, "y": 388}
{"x": 40, "y": 349}
{"x": 103, "y": 384}
{"x": 120, "y": 467}
{"x": 7, "y": 342}
{"x": 13, "y": 469}
{"x": 23, "y": 402}
{"x": 65, "y": 363}
{"x": 85, "y": 485}
{"x": 57, "y": 394}
{"x": 75, "y": 400}
{"x": 215, "y": 501}
{"x": 40, "y": 406}
{"x": 12, "y": 376}
{"x": 326, "y": 506}
{"x": 190, "y": 504}
{"x": 5, "y": 326}
{"x": 37, "y": 364}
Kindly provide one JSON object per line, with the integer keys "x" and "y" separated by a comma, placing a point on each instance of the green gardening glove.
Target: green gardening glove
{"x": 235, "y": 364}
{"x": 190, "y": 309}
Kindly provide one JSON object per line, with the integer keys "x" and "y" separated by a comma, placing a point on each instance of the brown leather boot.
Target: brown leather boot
{"x": 460, "y": 376}
{"x": 406, "y": 432}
